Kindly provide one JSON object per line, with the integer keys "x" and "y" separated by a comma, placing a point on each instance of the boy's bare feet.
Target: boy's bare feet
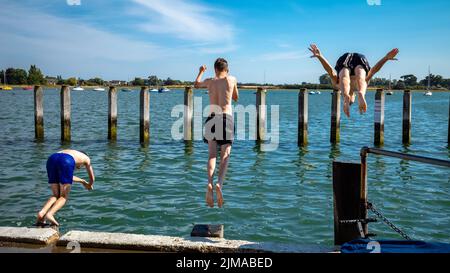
{"x": 40, "y": 221}
{"x": 347, "y": 105}
{"x": 362, "y": 103}
{"x": 209, "y": 196}
{"x": 52, "y": 219}
{"x": 219, "y": 195}
{"x": 352, "y": 98}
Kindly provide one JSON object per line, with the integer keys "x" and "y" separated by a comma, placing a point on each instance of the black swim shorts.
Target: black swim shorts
{"x": 219, "y": 128}
{"x": 351, "y": 61}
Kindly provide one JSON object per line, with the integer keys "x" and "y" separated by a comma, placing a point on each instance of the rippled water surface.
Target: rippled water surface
{"x": 280, "y": 196}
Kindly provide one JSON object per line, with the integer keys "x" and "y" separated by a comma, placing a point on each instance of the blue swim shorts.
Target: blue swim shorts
{"x": 60, "y": 168}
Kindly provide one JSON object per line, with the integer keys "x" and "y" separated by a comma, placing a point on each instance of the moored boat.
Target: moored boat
{"x": 164, "y": 90}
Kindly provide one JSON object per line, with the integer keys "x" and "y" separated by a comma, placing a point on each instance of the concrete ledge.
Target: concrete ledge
{"x": 125, "y": 241}
{"x": 40, "y": 236}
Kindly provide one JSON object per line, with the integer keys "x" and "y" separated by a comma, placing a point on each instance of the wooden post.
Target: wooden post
{"x": 260, "y": 114}
{"x": 335, "y": 117}
{"x": 112, "y": 113}
{"x": 188, "y": 113}
{"x": 302, "y": 117}
{"x": 346, "y": 201}
{"x": 448, "y": 132}
{"x": 379, "y": 118}
{"x": 65, "y": 114}
{"x": 406, "y": 135}
{"x": 144, "y": 121}
{"x": 38, "y": 113}
{"x": 363, "y": 189}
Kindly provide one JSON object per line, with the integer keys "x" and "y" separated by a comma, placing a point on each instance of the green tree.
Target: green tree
{"x": 169, "y": 81}
{"x": 400, "y": 85}
{"x": 325, "y": 79}
{"x": 95, "y": 81}
{"x": 409, "y": 80}
{"x": 16, "y": 76}
{"x": 435, "y": 80}
{"x": 60, "y": 80}
{"x": 154, "y": 81}
{"x": 35, "y": 76}
{"x": 138, "y": 82}
{"x": 71, "y": 81}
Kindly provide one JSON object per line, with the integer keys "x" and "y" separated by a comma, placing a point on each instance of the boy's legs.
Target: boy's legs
{"x": 49, "y": 203}
{"x": 64, "y": 190}
{"x": 212, "y": 148}
{"x": 362, "y": 84}
{"x": 344, "y": 85}
{"x": 225, "y": 152}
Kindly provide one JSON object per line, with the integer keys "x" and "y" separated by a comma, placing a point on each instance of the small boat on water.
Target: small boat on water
{"x": 164, "y": 90}
{"x": 99, "y": 89}
{"x": 28, "y": 88}
{"x": 389, "y": 92}
{"x": 78, "y": 88}
{"x": 5, "y": 87}
{"x": 315, "y": 92}
{"x": 428, "y": 93}
{"x": 126, "y": 90}
{"x": 154, "y": 90}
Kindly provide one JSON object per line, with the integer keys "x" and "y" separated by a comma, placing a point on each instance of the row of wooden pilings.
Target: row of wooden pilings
{"x": 336, "y": 117}
{"x": 144, "y": 120}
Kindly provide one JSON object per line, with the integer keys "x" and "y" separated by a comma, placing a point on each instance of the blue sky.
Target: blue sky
{"x": 120, "y": 39}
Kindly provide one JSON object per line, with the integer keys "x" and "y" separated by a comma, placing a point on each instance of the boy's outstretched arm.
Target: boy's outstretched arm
{"x": 389, "y": 57}
{"x": 90, "y": 172}
{"x": 82, "y": 182}
{"x": 198, "y": 82}
{"x": 326, "y": 65}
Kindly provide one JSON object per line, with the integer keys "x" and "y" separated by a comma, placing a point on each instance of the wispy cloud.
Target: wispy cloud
{"x": 57, "y": 42}
{"x": 189, "y": 22}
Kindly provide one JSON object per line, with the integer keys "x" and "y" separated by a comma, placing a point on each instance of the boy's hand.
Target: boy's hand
{"x": 315, "y": 51}
{"x": 202, "y": 68}
{"x": 87, "y": 186}
{"x": 392, "y": 54}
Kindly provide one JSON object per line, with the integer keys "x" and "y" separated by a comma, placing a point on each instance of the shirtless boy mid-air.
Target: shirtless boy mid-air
{"x": 219, "y": 126}
{"x": 60, "y": 168}
{"x": 353, "y": 73}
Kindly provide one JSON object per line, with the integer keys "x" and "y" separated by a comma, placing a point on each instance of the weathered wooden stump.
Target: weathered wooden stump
{"x": 302, "y": 118}
{"x": 335, "y": 117}
{"x": 261, "y": 109}
{"x": 379, "y": 118}
{"x": 112, "y": 113}
{"x": 188, "y": 113}
{"x": 65, "y": 114}
{"x": 38, "y": 112}
{"x": 144, "y": 120}
{"x": 406, "y": 132}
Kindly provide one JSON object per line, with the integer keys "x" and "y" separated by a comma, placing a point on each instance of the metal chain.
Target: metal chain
{"x": 371, "y": 207}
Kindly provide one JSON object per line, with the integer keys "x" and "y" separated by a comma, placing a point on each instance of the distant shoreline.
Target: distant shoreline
{"x": 244, "y": 87}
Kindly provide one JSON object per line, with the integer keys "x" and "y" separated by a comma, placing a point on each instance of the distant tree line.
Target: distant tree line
{"x": 155, "y": 81}
{"x": 20, "y": 76}
{"x": 35, "y": 76}
{"x": 406, "y": 81}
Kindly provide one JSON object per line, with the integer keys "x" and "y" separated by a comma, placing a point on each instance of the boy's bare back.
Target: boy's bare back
{"x": 221, "y": 92}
